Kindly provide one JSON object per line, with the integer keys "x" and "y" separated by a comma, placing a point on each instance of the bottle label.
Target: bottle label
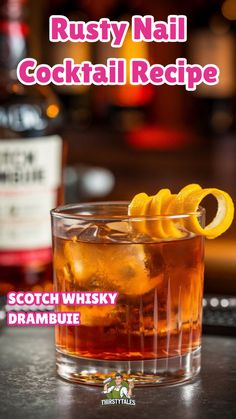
{"x": 30, "y": 174}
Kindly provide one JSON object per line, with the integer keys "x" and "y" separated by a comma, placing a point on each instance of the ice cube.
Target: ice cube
{"x": 98, "y": 316}
{"x": 131, "y": 273}
{"x": 86, "y": 264}
{"x": 111, "y": 267}
{"x": 121, "y": 226}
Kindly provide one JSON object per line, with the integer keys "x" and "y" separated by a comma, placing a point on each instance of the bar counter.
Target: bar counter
{"x": 30, "y": 388}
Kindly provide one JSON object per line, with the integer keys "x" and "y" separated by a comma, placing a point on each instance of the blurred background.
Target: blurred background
{"x": 124, "y": 140}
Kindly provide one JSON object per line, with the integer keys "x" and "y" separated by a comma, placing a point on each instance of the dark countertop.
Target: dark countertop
{"x": 30, "y": 389}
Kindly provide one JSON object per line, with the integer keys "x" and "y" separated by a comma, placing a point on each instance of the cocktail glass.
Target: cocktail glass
{"x": 153, "y": 333}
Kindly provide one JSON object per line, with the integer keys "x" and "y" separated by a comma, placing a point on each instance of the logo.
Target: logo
{"x": 118, "y": 390}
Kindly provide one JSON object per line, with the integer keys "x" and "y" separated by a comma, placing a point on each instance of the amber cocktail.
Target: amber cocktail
{"x": 153, "y": 333}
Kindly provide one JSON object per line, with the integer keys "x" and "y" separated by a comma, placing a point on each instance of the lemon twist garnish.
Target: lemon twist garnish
{"x": 155, "y": 207}
{"x": 184, "y": 203}
{"x": 176, "y": 205}
{"x": 138, "y": 208}
{"x": 223, "y": 218}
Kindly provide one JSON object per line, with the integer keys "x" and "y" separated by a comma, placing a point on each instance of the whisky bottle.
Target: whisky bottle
{"x": 212, "y": 41}
{"x": 128, "y": 104}
{"x": 31, "y": 157}
{"x": 75, "y": 99}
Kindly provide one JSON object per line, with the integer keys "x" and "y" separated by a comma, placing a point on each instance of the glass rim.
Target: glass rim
{"x": 61, "y": 213}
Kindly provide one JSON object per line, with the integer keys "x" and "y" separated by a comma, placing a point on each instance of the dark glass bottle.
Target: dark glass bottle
{"x": 211, "y": 40}
{"x": 31, "y": 160}
{"x": 127, "y": 105}
{"x": 75, "y": 99}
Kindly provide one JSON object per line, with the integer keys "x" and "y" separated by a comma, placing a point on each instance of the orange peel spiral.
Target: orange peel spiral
{"x": 185, "y": 203}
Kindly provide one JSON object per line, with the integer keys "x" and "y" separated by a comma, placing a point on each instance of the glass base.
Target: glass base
{"x": 153, "y": 372}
